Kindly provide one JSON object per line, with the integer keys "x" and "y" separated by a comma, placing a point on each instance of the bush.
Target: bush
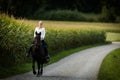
{"x": 65, "y": 15}
{"x": 107, "y": 15}
{"x": 14, "y": 41}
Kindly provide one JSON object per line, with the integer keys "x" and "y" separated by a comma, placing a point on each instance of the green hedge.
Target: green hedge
{"x": 15, "y": 39}
{"x": 59, "y": 40}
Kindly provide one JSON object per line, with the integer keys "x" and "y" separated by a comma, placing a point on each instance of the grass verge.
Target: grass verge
{"x": 20, "y": 69}
{"x": 110, "y": 68}
{"x": 113, "y": 36}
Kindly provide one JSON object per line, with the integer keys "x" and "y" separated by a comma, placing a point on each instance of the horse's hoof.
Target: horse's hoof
{"x": 34, "y": 72}
{"x": 41, "y": 73}
{"x": 38, "y": 75}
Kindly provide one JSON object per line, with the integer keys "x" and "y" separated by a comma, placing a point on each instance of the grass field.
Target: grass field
{"x": 110, "y": 68}
{"x": 113, "y": 27}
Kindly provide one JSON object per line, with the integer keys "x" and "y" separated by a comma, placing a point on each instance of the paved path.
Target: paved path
{"x": 83, "y": 65}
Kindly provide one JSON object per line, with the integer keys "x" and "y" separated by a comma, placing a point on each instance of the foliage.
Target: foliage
{"x": 15, "y": 39}
{"x": 67, "y": 39}
{"x": 108, "y": 15}
{"x": 65, "y": 15}
{"x": 27, "y": 9}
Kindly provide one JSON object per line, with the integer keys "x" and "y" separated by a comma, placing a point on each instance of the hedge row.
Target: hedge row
{"x": 59, "y": 40}
{"x": 15, "y": 39}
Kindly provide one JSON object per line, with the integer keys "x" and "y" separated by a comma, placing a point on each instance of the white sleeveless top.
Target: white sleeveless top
{"x": 38, "y": 30}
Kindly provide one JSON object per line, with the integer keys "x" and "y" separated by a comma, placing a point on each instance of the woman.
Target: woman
{"x": 41, "y": 29}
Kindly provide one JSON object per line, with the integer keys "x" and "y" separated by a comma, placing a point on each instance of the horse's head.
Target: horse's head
{"x": 38, "y": 38}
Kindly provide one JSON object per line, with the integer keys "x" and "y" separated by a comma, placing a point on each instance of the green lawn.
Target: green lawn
{"x": 110, "y": 68}
{"x": 113, "y": 36}
{"x": 18, "y": 69}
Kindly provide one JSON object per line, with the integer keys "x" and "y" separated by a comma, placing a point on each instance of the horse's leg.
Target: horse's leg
{"x": 41, "y": 72}
{"x": 33, "y": 66}
{"x": 38, "y": 64}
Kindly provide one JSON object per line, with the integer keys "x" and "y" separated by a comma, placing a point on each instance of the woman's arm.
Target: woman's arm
{"x": 43, "y": 34}
{"x": 34, "y": 33}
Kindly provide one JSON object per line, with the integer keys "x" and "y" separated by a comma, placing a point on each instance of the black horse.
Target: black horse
{"x": 38, "y": 54}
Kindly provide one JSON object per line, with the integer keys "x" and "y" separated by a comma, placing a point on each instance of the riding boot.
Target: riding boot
{"x": 46, "y": 54}
{"x": 44, "y": 44}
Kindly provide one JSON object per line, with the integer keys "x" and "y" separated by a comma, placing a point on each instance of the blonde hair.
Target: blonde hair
{"x": 40, "y": 22}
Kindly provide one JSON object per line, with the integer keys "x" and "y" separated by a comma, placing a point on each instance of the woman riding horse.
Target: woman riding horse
{"x": 39, "y": 47}
{"x": 41, "y": 29}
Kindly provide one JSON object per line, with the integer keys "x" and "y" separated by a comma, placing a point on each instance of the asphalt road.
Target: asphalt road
{"x": 83, "y": 65}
